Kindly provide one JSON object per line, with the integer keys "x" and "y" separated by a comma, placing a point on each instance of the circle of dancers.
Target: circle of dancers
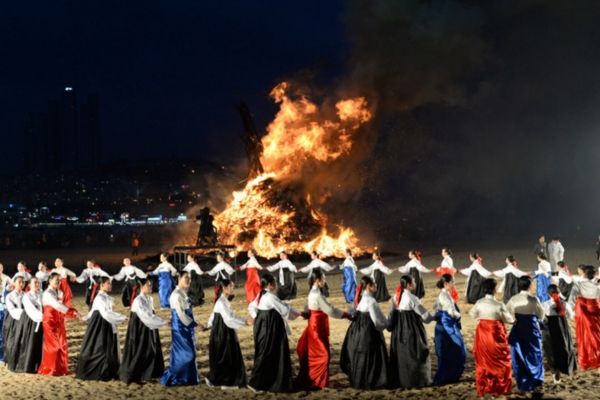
{"x": 33, "y": 309}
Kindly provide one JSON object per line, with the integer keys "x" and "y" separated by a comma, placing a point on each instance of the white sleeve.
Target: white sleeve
{"x": 32, "y": 312}
{"x": 510, "y": 307}
{"x": 120, "y": 275}
{"x": 70, "y": 273}
{"x": 215, "y": 270}
{"x": 274, "y": 267}
{"x": 467, "y": 272}
{"x": 292, "y": 267}
{"x": 253, "y": 308}
{"x": 506, "y": 316}
{"x": 105, "y": 310}
{"x": 385, "y": 269}
{"x": 422, "y": 312}
{"x": 447, "y": 304}
{"x": 324, "y": 266}
{"x": 172, "y": 269}
{"x": 377, "y": 316}
{"x": 49, "y": 300}
{"x": 13, "y": 310}
{"x": 404, "y": 269}
{"x": 421, "y": 268}
{"x": 229, "y": 269}
{"x": 500, "y": 273}
{"x": 285, "y": 310}
{"x": 328, "y": 308}
{"x": 145, "y": 314}
{"x": 568, "y": 310}
{"x": 306, "y": 269}
{"x": 368, "y": 270}
{"x": 139, "y": 273}
{"x": 83, "y": 277}
{"x": 228, "y": 316}
{"x": 99, "y": 272}
{"x": 210, "y": 320}
{"x": 474, "y": 313}
{"x": 177, "y": 303}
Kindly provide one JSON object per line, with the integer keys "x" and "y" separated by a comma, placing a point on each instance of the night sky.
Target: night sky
{"x": 487, "y": 113}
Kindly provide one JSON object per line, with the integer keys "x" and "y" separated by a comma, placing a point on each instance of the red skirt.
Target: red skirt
{"x": 253, "y": 287}
{"x": 66, "y": 289}
{"x": 313, "y": 353}
{"x": 587, "y": 328}
{"x": 55, "y": 357}
{"x": 443, "y": 271}
{"x": 493, "y": 366}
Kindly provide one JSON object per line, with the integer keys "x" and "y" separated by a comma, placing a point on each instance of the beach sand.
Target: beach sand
{"x": 583, "y": 385}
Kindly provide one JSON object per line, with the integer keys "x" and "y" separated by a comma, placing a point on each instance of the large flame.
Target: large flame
{"x": 272, "y": 213}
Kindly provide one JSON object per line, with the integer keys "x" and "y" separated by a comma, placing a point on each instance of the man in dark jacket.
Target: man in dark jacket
{"x": 540, "y": 247}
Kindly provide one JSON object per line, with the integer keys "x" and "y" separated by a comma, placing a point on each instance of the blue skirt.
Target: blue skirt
{"x": 1, "y": 322}
{"x": 542, "y": 287}
{"x": 182, "y": 369}
{"x": 450, "y": 349}
{"x": 165, "y": 288}
{"x": 525, "y": 341}
{"x": 349, "y": 284}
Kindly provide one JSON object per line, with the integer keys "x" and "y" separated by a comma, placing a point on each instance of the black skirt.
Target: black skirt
{"x": 196, "y": 289}
{"x": 381, "y": 295}
{"x": 99, "y": 356}
{"x": 225, "y": 356}
{"x": 565, "y": 288}
{"x": 511, "y": 287}
{"x": 419, "y": 288}
{"x": 289, "y": 290}
{"x": 89, "y": 288}
{"x": 272, "y": 371}
{"x": 558, "y": 345}
{"x": 142, "y": 356}
{"x": 128, "y": 290}
{"x": 410, "y": 363}
{"x": 364, "y": 356}
{"x": 475, "y": 288}
{"x": 31, "y": 343}
{"x": 10, "y": 344}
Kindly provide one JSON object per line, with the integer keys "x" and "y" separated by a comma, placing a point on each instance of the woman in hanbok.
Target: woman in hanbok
{"x": 543, "y": 278}
{"x": 493, "y": 368}
{"x": 511, "y": 274}
{"x": 587, "y": 320}
{"x": 449, "y": 343}
{"x": 222, "y": 270}
{"x": 410, "y": 362}
{"x": 225, "y": 358}
{"x": 364, "y": 356}
{"x": 55, "y": 358}
{"x": 142, "y": 355}
{"x": 414, "y": 268}
{"x": 313, "y": 346}
{"x": 252, "y": 286}
{"x": 565, "y": 280}
{"x": 165, "y": 272}
{"x": 378, "y": 271}
{"x": 30, "y": 331}
{"x": 272, "y": 370}
{"x": 183, "y": 369}
{"x": 23, "y": 272}
{"x": 557, "y": 340}
{"x": 286, "y": 288}
{"x": 66, "y": 276}
{"x": 316, "y": 264}
{"x": 525, "y": 338}
{"x": 42, "y": 275}
{"x": 89, "y": 276}
{"x": 131, "y": 275}
{"x": 447, "y": 268}
{"x": 349, "y": 284}
{"x": 14, "y": 308}
{"x": 100, "y": 355}
{"x": 476, "y": 276}
{"x": 196, "y": 289}
{"x": 5, "y": 285}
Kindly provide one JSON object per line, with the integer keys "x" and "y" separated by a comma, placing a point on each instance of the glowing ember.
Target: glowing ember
{"x": 273, "y": 212}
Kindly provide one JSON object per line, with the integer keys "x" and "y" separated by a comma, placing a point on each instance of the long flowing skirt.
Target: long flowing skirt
{"x": 89, "y": 289}
{"x": 142, "y": 356}
{"x": 525, "y": 340}
{"x": 475, "y": 288}
{"x": 289, "y": 290}
{"x": 225, "y": 356}
{"x": 67, "y": 293}
{"x": 410, "y": 362}
{"x": 493, "y": 369}
{"x": 511, "y": 287}
{"x": 165, "y": 288}
{"x": 183, "y": 369}
{"x": 252, "y": 287}
{"x": 128, "y": 287}
{"x": 420, "y": 287}
{"x": 587, "y": 330}
{"x": 543, "y": 282}
{"x": 364, "y": 357}
{"x": 558, "y": 345}
{"x": 381, "y": 295}
{"x": 31, "y": 343}
{"x": 313, "y": 353}
{"x": 2, "y": 311}
{"x": 443, "y": 271}
{"x": 349, "y": 284}
{"x": 196, "y": 289}
{"x": 450, "y": 349}
{"x": 565, "y": 288}
{"x": 99, "y": 359}
{"x": 272, "y": 369}
{"x": 55, "y": 357}
{"x": 10, "y": 342}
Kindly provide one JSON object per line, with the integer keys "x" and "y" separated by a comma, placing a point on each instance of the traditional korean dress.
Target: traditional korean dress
{"x": 222, "y": 271}
{"x": 493, "y": 368}
{"x": 510, "y": 284}
{"x": 447, "y": 267}
{"x": 587, "y": 323}
{"x": 449, "y": 344}
{"x": 410, "y": 363}
{"x": 252, "y": 286}
{"x": 30, "y": 334}
{"x": 5, "y": 285}
{"x": 272, "y": 371}
{"x": 323, "y": 266}
{"x": 476, "y": 275}
{"x": 142, "y": 355}
{"x": 525, "y": 340}
{"x": 557, "y": 341}
{"x": 543, "y": 280}
{"x": 313, "y": 345}
{"x": 100, "y": 355}
{"x": 89, "y": 277}
{"x": 182, "y": 367}
{"x": 55, "y": 360}
{"x": 565, "y": 283}
{"x": 414, "y": 268}
{"x": 64, "y": 286}
{"x": 378, "y": 271}
{"x": 43, "y": 278}
{"x": 25, "y": 275}
{"x": 286, "y": 288}
{"x": 349, "y": 284}
{"x": 10, "y": 343}
{"x": 364, "y": 356}
{"x": 196, "y": 290}
{"x": 225, "y": 358}
{"x": 131, "y": 275}
{"x": 165, "y": 272}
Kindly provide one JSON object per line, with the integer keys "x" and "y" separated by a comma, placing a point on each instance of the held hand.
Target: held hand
{"x": 305, "y": 315}
{"x": 72, "y": 279}
{"x": 148, "y": 273}
{"x": 126, "y": 319}
{"x": 168, "y": 322}
{"x": 201, "y": 328}
{"x": 249, "y": 321}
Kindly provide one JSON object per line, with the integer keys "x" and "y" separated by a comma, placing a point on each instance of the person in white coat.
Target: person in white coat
{"x": 317, "y": 263}
{"x": 414, "y": 268}
{"x": 31, "y": 334}
{"x": 377, "y": 271}
{"x": 165, "y": 272}
{"x": 24, "y": 272}
{"x": 284, "y": 269}
{"x": 476, "y": 274}
{"x": 556, "y": 252}
{"x": 222, "y": 270}
{"x": 10, "y": 339}
{"x": 89, "y": 276}
{"x": 131, "y": 274}
{"x": 196, "y": 289}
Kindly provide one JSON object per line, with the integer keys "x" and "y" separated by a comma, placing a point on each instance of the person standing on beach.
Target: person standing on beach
{"x": 476, "y": 275}
{"x": 14, "y": 307}
{"x": 5, "y": 284}
{"x": 196, "y": 289}
{"x": 414, "y": 268}
{"x": 165, "y": 272}
{"x": 286, "y": 288}
{"x": 587, "y": 319}
{"x": 349, "y": 284}
{"x": 447, "y": 267}
{"x": 317, "y": 264}
{"x": 378, "y": 272}
{"x": 66, "y": 275}
{"x": 511, "y": 274}
{"x": 89, "y": 276}
{"x": 131, "y": 275}
{"x": 540, "y": 247}
{"x": 556, "y": 252}
{"x": 251, "y": 267}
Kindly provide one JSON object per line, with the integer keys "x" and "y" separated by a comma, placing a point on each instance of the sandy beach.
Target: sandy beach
{"x": 583, "y": 385}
